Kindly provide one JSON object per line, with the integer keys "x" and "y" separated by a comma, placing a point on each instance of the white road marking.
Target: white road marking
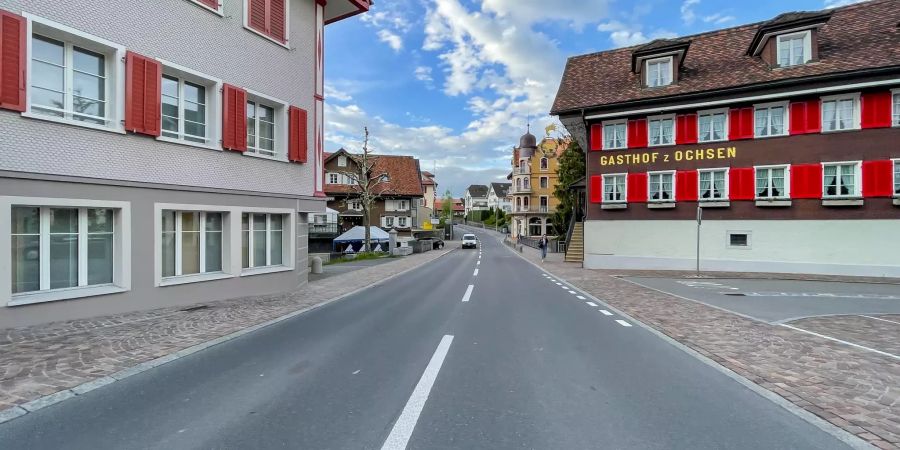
{"x": 605, "y": 312}
{"x": 623, "y": 323}
{"x": 558, "y": 283}
{"x": 478, "y": 263}
{"x": 406, "y": 423}
{"x": 592, "y": 304}
{"x": 476, "y": 273}
{"x": 468, "y": 293}
{"x": 580, "y": 297}
{"x": 878, "y": 318}
{"x": 573, "y": 292}
{"x": 862, "y": 347}
{"x": 357, "y": 371}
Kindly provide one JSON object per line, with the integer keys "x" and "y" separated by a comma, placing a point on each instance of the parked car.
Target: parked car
{"x": 469, "y": 241}
{"x": 437, "y": 243}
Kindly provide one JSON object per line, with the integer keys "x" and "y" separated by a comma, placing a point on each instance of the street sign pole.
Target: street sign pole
{"x": 699, "y": 221}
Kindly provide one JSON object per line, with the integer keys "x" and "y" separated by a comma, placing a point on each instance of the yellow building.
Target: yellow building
{"x": 534, "y": 177}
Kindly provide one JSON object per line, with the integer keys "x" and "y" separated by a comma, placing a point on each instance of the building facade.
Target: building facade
{"x": 533, "y": 177}
{"x": 429, "y": 185}
{"x": 140, "y": 167}
{"x": 475, "y": 198}
{"x": 498, "y": 197}
{"x": 781, "y": 134}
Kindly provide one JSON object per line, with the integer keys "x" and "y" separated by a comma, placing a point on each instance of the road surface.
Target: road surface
{"x": 521, "y": 363}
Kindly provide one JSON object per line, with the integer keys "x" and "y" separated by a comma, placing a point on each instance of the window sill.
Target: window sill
{"x": 614, "y": 206}
{"x": 267, "y": 37}
{"x": 660, "y": 145}
{"x": 896, "y": 201}
{"x": 772, "y": 203}
{"x": 64, "y": 294}
{"x": 824, "y": 131}
{"x": 711, "y": 142}
{"x": 715, "y": 204}
{"x": 263, "y": 270}
{"x": 187, "y": 143}
{"x": 771, "y": 136}
{"x": 214, "y": 11}
{"x": 270, "y": 158}
{"x": 606, "y": 150}
{"x": 77, "y": 123}
{"x": 197, "y": 278}
{"x": 661, "y": 205}
{"x": 842, "y": 202}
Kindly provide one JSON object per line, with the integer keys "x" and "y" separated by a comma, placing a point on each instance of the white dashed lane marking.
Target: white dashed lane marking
{"x": 580, "y": 297}
{"x": 605, "y": 312}
{"x": 476, "y": 273}
{"x": 592, "y": 304}
{"x": 572, "y": 292}
{"x": 623, "y": 323}
{"x": 468, "y": 293}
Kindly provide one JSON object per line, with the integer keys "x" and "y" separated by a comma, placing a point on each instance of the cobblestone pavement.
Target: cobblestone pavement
{"x": 42, "y": 360}
{"x": 851, "y": 388}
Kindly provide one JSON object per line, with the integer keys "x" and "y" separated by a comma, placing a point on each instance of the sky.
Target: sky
{"x": 454, "y": 82}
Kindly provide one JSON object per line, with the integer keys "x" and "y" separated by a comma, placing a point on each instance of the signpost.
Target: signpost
{"x": 699, "y": 221}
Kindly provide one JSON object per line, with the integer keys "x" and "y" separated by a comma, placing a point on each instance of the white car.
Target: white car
{"x": 469, "y": 241}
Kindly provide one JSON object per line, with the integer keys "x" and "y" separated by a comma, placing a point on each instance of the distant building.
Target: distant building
{"x": 498, "y": 197}
{"x": 534, "y": 176}
{"x": 429, "y": 186}
{"x": 475, "y": 198}
{"x": 458, "y": 210}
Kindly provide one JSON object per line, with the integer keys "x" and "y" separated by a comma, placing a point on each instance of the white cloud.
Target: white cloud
{"x": 837, "y": 3}
{"x": 718, "y": 19}
{"x": 390, "y": 22}
{"x": 623, "y": 35}
{"x": 687, "y": 11}
{"x": 333, "y": 93}
{"x": 392, "y": 40}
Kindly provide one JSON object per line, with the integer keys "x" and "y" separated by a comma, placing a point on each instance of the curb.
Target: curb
{"x": 42, "y": 402}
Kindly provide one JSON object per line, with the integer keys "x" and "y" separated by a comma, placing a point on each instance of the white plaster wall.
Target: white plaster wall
{"x": 841, "y": 247}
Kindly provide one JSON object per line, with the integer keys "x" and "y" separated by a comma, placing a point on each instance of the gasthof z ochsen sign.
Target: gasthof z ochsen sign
{"x": 700, "y": 154}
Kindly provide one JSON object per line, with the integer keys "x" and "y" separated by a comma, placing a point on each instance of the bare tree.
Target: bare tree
{"x": 368, "y": 185}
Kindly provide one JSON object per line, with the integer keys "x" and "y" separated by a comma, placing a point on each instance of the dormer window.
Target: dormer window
{"x": 794, "y": 49}
{"x": 659, "y": 72}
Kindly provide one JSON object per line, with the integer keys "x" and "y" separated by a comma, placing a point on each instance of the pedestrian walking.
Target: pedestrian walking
{"x": 542, "y": 244}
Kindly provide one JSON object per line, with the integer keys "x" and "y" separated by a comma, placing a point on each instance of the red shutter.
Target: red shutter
{"x": 686, "y": 185}
{"x": 878, "y": 178}
{"x": 277, "y": 20}
{"x": 299, "y": 139}
{"x": 234, "y": 118}
{"x": 637, "y": 133}
{"x": 637, "y": 187}
{"x": 596, "y": 137}
{"x": 596, "y": 189}
{"x": 12, "y": 61}
{"x": 876, "y": 109}
{"x": 686, "y": 129}
{"x": 741, "y": 183}
{"x": 806, "y": 181}
{"x": 740, "y": 123}
{"x": 143, "y": 90}
{"x": 256, "y": 15}
{"x": 805, "y": 117}
{"x": 214, "y": 4}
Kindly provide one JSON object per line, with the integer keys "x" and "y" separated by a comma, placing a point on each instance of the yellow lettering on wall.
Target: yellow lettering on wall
{"x": 720, "y": 153}
{"x": 655, "y": 155}
{"x": 626, "y": 158}
{"x": 678, "y": 155}
{"x": 732, "y": 152}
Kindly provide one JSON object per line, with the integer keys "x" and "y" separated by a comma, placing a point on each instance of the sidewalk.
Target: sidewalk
{"x": 47, "y": 359}
{"x": 853, "y": 389}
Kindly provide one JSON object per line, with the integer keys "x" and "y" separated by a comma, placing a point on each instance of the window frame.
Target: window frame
{"x": 121, "y": 250}
{"x": 895, "y": 107}
{"x": 807, "y": 47}
{"x": 725, "y": 196}
{"x": 661, "y": 117}
{"x": 787, "y": 181}
{"x": 218, "y": 10}
{"x": 287, "y": 24}
{"x": 896, "y": 172}
{"x": 624, "y": 193}
{"x": 287, "y": 241}
{"x": 712, "y": 112}
{"x": 624, "y": 134}
{"x": 857, "y": 180}
{"x": 785, "y": 125}
{"x": 668, "y": 59}
{"x": 544, "y": 182}
{"x": 650, "y": 198}
{"x": 544, "y": 164}
{"x": 213, "y": 105}
{"x": 329, "y": 175}
{"x": 342, "y": 161}
{"x": 114, "y": 58}
{"x": 280, "y": 135}
{"x": 203, "y": 274}
{"x": 729, "y": 245}
{"x": 856, "y": 123}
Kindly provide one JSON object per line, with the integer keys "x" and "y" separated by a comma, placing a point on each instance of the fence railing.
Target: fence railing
{"x": 324, "y": 230}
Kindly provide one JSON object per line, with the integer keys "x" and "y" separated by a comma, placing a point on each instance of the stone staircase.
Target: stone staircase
{"x": 575, "y": 249}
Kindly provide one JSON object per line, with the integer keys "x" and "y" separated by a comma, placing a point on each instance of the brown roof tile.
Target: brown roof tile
{"x": 405, "y": 178}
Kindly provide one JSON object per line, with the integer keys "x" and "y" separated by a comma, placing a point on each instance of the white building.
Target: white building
{"x": 475, "y": 198}
{"x": 498, "y": 197}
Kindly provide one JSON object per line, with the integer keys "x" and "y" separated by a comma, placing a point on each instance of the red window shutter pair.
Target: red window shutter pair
{"x": 806, "y": 181}
{"x": 637, "y": 133}
{"x": 143, "y": 90}
{"x": 596, "y": 189}
{"x": 234, "y": 118}
{"x": 686, "y": 129}
{"x": 876, "y": 109}
{"x": 12, "y": 61}
{"x": 298, "y": 145}
{"x": 637, "y": 188}
{"x": 805, "y": 117}
{"x": 596, "y": 137}
{"x": 740, "y": 123}
{"x": 686, "y": 185}
{"x": 268, "y": 17}
{"x": 741, "y": 183}
{"x": 878, "y": 178}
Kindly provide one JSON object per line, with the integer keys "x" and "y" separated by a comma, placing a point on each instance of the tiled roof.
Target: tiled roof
{"x": 501, "y": 189}
{"x": 856, "y": 37}
{"x": 457, "y": 205}
{"x": 477, "y": 190}
{"x": 405, "y": 178}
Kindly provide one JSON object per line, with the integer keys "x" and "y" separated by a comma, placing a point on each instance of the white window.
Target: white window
{"x": 614, "y": 134}
{"x": 401, "y": 221}
{"x": 662, "y": 187}
{"x": 74, "y": 77}
{"x": 402, "y": 205}
{"x": 262, "y": 239}
{"x": 739, "y": 239}
{"x": 355, "y": 205}
{"x": 896, "y": 103}
{"x": 192, "y": 242}
{"x": 841, "y": 179}
{"x": 62, "y": 249}
{"x": 388, "y": 221}
{"x": 897, "y": 177}
{"x": 659, "y": 72}
{"x": 794, "y": 49}
{"x": 661, "y": 130}
{"x": 189, "y": 104}
{"x": 342, "y": 161}
{"x": 212, "y": 5}
{"x": 713, "y": 125}
{"x": 333, "y": 178}
{"x": 614, "y": 188}
{"x": 713, "y": 184}
{"x": 840, "y": 112}
{"x": 260, "y": 129}
{"x": 770, "y": 119}
{"x": 772, "y": 182}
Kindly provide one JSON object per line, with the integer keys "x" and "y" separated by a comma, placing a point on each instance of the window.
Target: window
{"x": 191, "y": 242}
{"x": 841, "y": 180}
{"x": 342, "y": 161}
{"x": 401, "y": 222}
{"x": 388, "y": 221}
{"x": 896, "y": 116}
{"x": 840, "y": 113}
{"x": 770, "y": 120}
{"x": 402, "y": 205}
{"x": 384, "y": 178}
{"x": 545, "y": 181}
{"x": 614, "y": 188}
{"x": 662, "y": 130}
{"x": 545, "y": 164}
{"x": 662, "y": 186}
{"x": 333, "y": 178}
{"x": 268, "y": 18}
{"x": 260, "y": 129}
{"x": 184, "y": 110}
{"x": 544, "y": 203}
{"x": 713, "y": 185}
{"x": 355, "y": 205}
{"x": 212, "y": 5}
{"x": 659, "y": 72}
{"x": 897, "y": 177}
{"x": 741, "y": 239}
{"x": 794, "y": 49}
{"x": 772, "y": 182}
{"x": 614, "y": 134}
{"x": 262, "y": 242}
{"x": 712, "y": 125}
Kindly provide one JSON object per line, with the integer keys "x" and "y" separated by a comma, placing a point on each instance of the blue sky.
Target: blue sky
{"x": 453, "y": 82}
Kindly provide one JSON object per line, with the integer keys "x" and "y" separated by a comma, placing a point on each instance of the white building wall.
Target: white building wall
{"x": 838, "y": 247}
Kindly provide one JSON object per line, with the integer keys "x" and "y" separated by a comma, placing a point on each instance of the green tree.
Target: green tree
{"x": 571, "y": 169}
{"x": 447, "y": 207}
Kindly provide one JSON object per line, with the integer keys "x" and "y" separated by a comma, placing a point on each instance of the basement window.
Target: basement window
{"x": 738, "y": 239}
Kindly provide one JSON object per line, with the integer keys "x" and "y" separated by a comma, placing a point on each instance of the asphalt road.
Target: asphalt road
{"x": 529, "y": 365}
{"x": 778, "y": 301}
